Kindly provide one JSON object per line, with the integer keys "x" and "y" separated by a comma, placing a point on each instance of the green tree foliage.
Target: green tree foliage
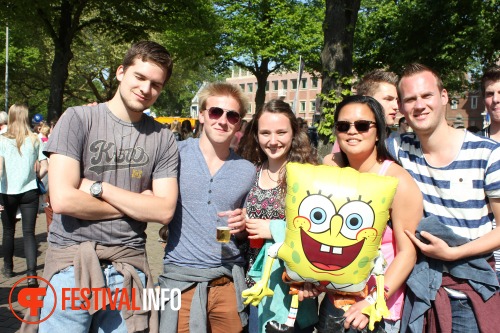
{"x": 29, "y": 65}
{"x": 92, "y": 72}
{"x": 192, "y": 39}
{"x": 267, "y": 36}
{"x": 67, "y": 23}
{"x": 449, "y": 35}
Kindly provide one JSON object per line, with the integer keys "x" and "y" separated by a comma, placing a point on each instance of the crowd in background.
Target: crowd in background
{"x": 229, "y": 169}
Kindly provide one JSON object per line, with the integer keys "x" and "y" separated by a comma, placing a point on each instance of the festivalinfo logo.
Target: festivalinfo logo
{"x": 81, "y": 299}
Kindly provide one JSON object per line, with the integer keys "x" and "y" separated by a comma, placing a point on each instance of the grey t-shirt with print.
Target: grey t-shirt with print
{"x": 126, "y": 155}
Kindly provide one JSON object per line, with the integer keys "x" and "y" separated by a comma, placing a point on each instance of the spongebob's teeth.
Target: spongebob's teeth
{"x": 324, "y": 248}
{"x": 336, "y": 250}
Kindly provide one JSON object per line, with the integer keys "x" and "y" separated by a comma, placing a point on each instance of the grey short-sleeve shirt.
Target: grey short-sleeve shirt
{"x": 127, "y": 155}
{"x": 192, "y": 241}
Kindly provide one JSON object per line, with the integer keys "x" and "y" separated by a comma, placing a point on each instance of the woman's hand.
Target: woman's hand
{"x": 354, "y": 317}
{"x": 258, "y": 229}
{"x": 308, "y": 291}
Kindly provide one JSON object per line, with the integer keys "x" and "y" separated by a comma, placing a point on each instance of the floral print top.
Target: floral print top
{"x": 262, "y": 204}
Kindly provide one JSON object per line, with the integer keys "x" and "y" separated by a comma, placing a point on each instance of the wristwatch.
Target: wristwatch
{"x": 96, "y": 189}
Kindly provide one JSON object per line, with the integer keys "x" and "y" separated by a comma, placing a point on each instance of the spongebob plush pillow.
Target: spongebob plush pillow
{"x": 335, "y": 220}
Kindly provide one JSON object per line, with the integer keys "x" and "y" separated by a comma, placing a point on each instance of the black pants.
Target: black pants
{"x": 28, "y": 204}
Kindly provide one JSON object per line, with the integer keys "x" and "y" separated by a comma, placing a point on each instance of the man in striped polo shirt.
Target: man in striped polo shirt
{"x": 459, "y": 176}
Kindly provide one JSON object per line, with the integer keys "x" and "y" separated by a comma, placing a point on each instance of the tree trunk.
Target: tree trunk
{"x": 336, "y": 57}
{"x": 58, "y": 77}
{"x": 62, "y": 34}
{"x": 262, "y": 74}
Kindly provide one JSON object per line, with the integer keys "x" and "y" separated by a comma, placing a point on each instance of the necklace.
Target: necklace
{"x": 269, "y": 174}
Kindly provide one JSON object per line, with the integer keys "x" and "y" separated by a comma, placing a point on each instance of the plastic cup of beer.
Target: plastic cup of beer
{"x": 255, "y": 243}
{"x": 223, "y": 231}
{"x": 223, "y": 234}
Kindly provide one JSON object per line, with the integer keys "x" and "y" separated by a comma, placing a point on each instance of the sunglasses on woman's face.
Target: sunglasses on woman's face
{"x": 359, "y": 125}
{"x": 216, "y": 112}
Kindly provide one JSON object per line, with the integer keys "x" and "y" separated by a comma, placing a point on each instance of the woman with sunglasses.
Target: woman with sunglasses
{"x": 272, "y": 140}
{"x": 360, "y": 130}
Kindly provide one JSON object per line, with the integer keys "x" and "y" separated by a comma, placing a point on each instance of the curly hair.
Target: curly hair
{"x": 300, "y": 150}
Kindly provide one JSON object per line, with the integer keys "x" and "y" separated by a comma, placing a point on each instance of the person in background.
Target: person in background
{"x": 403, "y": 126}
{"x": 4, "y": 119}
{"x": 458, "y": 174}
{"x": 490, "y": 90}
{"x": 198, "y": 129}
{"x": 44, "y": 132}
{"x": 360, "y": 128}
{"x": 381, "y": 85}
{"x": 213, "y": 183}
{"x": 20, "y": 150}
{"x": 36, "y": 124}
{"x": 274, "y": 139}
{"x": 53, "y": 123}
{"x": 113, "y": 169}
{"x": 186, "y": 129}
{"x": 47, "y": 207}
{"x": 175, "y": 127}
{"x": 238, "y": 135}
{"x": 312, "y": 134}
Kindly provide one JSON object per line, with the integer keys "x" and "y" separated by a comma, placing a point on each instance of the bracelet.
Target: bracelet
{"x": 370, "y": 299}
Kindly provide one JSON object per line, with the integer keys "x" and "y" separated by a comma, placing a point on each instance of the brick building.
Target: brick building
{"x": 462, "y": 111}
{"x": 283, "y": 86}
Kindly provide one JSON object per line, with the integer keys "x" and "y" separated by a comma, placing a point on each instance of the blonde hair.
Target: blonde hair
{"x": 18, "y": 127}
{"x": 224, "y": 89}
{"x": 175, "y": 126}
{"x": 45, "y": 130}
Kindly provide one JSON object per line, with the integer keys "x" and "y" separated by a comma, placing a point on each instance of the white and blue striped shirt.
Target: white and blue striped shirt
{"x": 457, "y": 193}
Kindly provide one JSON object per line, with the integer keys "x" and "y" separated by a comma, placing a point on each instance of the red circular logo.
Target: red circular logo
{"x": 29, "y": 298}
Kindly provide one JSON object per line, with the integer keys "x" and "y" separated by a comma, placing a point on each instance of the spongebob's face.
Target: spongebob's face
{"x": 335, "y": 221}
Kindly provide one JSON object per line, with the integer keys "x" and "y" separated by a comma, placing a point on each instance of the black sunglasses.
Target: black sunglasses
{"x": 359, "y": 125}
{"x": 216, "y": 112}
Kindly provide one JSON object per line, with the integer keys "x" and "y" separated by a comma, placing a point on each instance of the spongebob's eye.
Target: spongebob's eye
{"x": 354, "y": 221}
{"x": 318, "y": 215}
{"x": 357, "y": 216}
{"x": 319, "y": 210}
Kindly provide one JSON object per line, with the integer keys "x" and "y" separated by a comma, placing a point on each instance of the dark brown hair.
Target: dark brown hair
{"x": 490, "y": 74}
{"x": 370, "y": 81}
{"x": 149, "y": 51}
{"x": 300, "y": 150}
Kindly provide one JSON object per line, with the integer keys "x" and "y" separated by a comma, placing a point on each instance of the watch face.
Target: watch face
{"x": 96, "y": 189}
